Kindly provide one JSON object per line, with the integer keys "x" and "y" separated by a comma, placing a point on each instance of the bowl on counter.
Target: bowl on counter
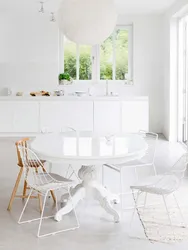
{"x": 80, "y": 93}
{"x": 59, "y": 92}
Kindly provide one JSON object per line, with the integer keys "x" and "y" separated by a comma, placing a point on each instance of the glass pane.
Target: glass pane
{"x": 85, "y": 70}
{"x": 121, "y": 48}
{"x": 70, "y": 58}
{"x": 106, "y": 59}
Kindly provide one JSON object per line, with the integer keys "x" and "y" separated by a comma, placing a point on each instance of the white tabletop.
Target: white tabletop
{"x": 89, "y": 148}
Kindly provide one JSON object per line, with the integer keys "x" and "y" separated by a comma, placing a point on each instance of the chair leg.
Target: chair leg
{"x": 64, "y": 230}
{"x": 168, "y": 214}
{"x": 24, "y": 189}
{"x": 19, "y": 221}
{"x": 135, "y": 208}
{"x": 154, "y": 169}
{"x": 40, "y": 202}
{"x": 41, "y": 217}
{"x": 39, "y": 195}
{"x": 66, "y": 175}
{"x": 56, "y": 205}
{"x": 121, "y": 192}
{"x": 102, "y": 173}
{"x": 74, "y": 209}
{"x": 145, "y": 200}
{"x": 52, "y": 193}
{"x": 181, "y": 214}
{"x": 53, "y": 196}
{"x": 15, "y": 189}
{"x": 72, "y": 173}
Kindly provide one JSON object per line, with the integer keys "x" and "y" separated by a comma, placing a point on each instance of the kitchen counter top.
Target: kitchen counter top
{"x": 73, "y": 98}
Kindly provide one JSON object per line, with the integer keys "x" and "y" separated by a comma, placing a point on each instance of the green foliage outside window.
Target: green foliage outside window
{"x": 107, "y": 57}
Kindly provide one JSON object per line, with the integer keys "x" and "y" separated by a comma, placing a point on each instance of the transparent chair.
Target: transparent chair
{"x": 162, "y": 185}
{"x": 70, "y": 171}
{"x": 147, "y": 160}
{"x": 42, "y": 182}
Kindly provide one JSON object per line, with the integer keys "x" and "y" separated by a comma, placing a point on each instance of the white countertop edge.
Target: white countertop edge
{"x": 74, "y": 98}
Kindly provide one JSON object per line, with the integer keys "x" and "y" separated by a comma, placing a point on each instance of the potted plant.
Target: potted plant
{"x": 65, "y": 79}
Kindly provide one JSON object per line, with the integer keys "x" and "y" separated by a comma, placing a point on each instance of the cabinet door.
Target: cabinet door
{"x": 135, "y": 116}
{"x": 78, "y": 115}
{"x": 107, "y": 116}
{"x": 75, "y": 114}
{"x": 26, "y": 117}
{"x": 19, "y": 117}
{"x": 6, "y": 117}
{"x": 50, "y": 116}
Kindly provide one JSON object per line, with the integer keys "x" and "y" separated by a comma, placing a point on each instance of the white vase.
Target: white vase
{"x": 65, "y": 82}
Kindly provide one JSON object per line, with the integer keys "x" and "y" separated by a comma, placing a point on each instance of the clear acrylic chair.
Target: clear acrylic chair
{"x": 147, "y": 161}
{"x": 70, "y": 171}
{"x": 162, "y": 185}
{"x": 42, "y": 183}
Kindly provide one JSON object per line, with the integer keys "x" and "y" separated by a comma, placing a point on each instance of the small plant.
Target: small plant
{"x": 64, "y": 76}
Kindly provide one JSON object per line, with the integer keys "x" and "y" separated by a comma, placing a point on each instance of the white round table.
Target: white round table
{"x": 90, "y": 151}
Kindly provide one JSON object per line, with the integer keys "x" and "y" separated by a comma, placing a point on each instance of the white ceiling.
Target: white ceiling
{"x": 143, "y": 6}
{"x": 123, "y": 6}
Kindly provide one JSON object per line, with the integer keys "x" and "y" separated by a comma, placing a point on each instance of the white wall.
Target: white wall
{"x": 29, "y": 57}
{"x": 148, "y": 64}
{"x": 28, "y": 51}
{"x": 170, "y": 69}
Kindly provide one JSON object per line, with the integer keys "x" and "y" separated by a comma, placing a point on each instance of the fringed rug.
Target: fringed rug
{"x": 156, "y": 225}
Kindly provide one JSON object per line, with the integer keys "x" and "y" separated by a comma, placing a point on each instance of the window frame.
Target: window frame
{"x": 95, "y": 58}
{"x": 183, "y": 79}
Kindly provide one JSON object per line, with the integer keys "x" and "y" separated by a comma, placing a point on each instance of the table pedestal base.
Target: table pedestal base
{"x": 88, "y": 187}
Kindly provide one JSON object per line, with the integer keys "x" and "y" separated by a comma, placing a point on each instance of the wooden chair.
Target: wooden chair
{"x": 24, "y": 142}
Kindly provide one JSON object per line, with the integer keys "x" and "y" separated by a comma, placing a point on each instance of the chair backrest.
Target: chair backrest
{"x": 171, "y": 180}
{"x": 24, "y": 143}
{"x": 34, "y": 171}
{"x": 180, "y": 166}
{"x": 151, "y": 140}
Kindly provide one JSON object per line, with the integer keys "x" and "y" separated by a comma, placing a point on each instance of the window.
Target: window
{"x": 183, "y": 80}
{"x": 110, "y": 60}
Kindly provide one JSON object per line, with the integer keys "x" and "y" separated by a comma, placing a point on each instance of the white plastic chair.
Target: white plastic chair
{"x": 42, "y": 182}
{"x": 163, "y": 185}
{"x": 70, "y": 170}
{"x": 147, "y": 160}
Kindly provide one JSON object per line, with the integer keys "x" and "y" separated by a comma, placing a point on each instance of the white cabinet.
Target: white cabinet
{"x": 75, "y": 114}
{"x": 135, "y": 116}
{"x": 26, "y": 117}
{"x": 19, "y": 117}
{"x": 102, "y": 116}
{"x": 6, "y": 116}
{"x": 107, "y": 116}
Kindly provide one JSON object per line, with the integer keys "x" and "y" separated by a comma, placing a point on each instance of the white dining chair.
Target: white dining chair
{"x": 147, "y": 160}
{"x": 38, "y": 180}
{"x": 70, "y": 171}
{"x": 162, "y": 185}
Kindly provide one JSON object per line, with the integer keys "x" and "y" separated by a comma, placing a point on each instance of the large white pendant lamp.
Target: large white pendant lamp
{"x": 87, "y": 21}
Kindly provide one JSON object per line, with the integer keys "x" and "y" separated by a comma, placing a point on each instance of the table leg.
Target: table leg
{"x": 77, "y": 193}
{"x": 90, "y": 187}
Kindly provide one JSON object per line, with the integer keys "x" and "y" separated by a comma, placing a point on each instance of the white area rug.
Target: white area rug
{"x": 155, "y": 221}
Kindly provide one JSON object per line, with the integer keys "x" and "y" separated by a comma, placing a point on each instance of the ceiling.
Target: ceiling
{"x": 143, "y": 6}
{"x": 123, "y": 6}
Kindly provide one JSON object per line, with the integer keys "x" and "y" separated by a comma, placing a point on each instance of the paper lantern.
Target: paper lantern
{"x": 87, "y": 21}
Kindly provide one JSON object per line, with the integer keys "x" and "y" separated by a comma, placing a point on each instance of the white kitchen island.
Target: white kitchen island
{"x": 28, "y": 116}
